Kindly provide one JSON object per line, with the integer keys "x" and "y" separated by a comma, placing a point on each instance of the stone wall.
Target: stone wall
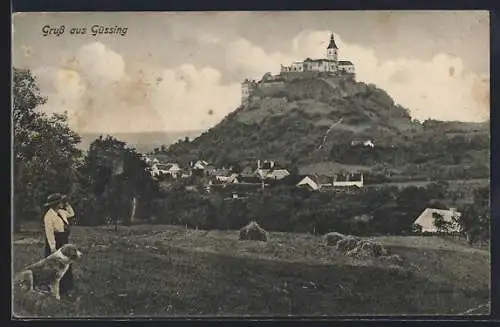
{"x": 271, "y": 88}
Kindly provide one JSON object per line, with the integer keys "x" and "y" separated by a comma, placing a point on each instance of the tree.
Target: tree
{"x": 118, "y": 178}
{"x": 46, "y": 159}
{"x": 440, "y": 223}
{"x": 475, "y": 219}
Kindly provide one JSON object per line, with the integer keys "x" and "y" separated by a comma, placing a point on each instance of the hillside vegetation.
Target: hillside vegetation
{"x": 141, "y": 141}
{"x": 164, "y": 271}
{"x": 290, "y": 124}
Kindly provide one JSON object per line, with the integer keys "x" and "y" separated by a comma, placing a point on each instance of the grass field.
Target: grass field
{"x": 157, "y": 271}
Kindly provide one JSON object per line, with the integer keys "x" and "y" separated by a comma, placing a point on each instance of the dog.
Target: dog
{"x": 49, "y": 270}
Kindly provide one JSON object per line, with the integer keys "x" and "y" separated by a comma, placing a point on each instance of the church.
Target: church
{"x": 330, "y": 64}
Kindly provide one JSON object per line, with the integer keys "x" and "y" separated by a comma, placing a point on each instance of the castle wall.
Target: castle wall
{"x": 290, "y": 76}
{"x": 271, "y": 88}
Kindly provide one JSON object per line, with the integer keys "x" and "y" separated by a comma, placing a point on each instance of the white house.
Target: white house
{"x": 227, "y": 179}
{"x": 426, "y": 219}
{"x": 348, "y": 182}
{"x": 366, "y": 143}
{"x": 171, "y": 169}
{"x": 200, "y": 164}
{"x": 278, "y": 174}
{"x": 261, "y": 173}
{"x": 307, "y": 181}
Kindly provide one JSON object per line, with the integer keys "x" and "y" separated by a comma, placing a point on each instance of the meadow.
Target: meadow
{"x": 171, "y": 271}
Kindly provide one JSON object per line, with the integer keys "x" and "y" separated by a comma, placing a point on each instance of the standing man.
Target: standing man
{"x": 56, "y": 227}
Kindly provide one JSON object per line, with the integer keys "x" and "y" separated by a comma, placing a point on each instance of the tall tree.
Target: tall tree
{"x": 45, "y": 155}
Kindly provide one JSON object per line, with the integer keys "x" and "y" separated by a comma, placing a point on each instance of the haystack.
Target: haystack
{"x": 360, "y": 248}
{"x": 332, "y": 238}
{"x": 347, "y": 244}
{"x": 372, "y": 249}
{"x": 253, "y": 232}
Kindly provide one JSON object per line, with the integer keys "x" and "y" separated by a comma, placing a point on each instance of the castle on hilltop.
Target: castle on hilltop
{"x": 324, "y": 67}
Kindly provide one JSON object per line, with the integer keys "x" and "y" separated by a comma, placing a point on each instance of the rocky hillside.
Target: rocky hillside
{"x": 314, "y": 120}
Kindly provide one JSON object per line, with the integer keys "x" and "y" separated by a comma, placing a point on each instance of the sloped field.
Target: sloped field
{"x": 170, "y": 271}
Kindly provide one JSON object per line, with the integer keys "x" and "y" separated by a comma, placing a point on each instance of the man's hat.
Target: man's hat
{"x": 54, "y": 198}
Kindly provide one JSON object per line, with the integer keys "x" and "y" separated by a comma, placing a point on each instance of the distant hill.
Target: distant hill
{"x": 144, "y": 141}
{"x": 309, "y": 121}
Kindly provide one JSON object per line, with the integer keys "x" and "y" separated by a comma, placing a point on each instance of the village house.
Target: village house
{"x": 365, "y": 143}
{"x": 200, "y": 164}
{"x": 348, "y": 180}
{"x": 277, "y": 174}
{"x": 232, "y": 178}
{"x": 308, "y": 183}
{"x": 264, "y": 167}
{"x": 425, "y": 221}
{"x": 199, "y": 168}
{"x": 268, "y": 169}
{"x": 170, "y": 169}
{"x": 299, "y": 181}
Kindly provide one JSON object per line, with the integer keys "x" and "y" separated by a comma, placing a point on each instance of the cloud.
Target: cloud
{"x": 103, "y": 93}
{"x": 195, "y": 97}
{"x": 241, "y": 54}
{"x": 440, "y": 88}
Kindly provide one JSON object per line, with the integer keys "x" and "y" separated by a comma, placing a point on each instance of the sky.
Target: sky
{"x": 183, "y": 71}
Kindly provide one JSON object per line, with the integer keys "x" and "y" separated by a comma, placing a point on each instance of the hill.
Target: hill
{"x": 144, "y": 141}
{"x": 314, "y": 120}
{"x": 165, "y": 271}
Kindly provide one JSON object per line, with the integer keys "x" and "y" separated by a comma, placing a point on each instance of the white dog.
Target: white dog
{"x": 49, "y": 270}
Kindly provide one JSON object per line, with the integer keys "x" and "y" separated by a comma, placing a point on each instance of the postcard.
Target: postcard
{"x": 250, "y": 164}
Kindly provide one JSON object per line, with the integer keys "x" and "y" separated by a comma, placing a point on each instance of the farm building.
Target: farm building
{"x": 428, "y": 217}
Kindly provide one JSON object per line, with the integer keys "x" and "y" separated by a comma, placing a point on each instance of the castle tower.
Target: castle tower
{"x": 332, "y": 50}
{"x": 246, "y": 89}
